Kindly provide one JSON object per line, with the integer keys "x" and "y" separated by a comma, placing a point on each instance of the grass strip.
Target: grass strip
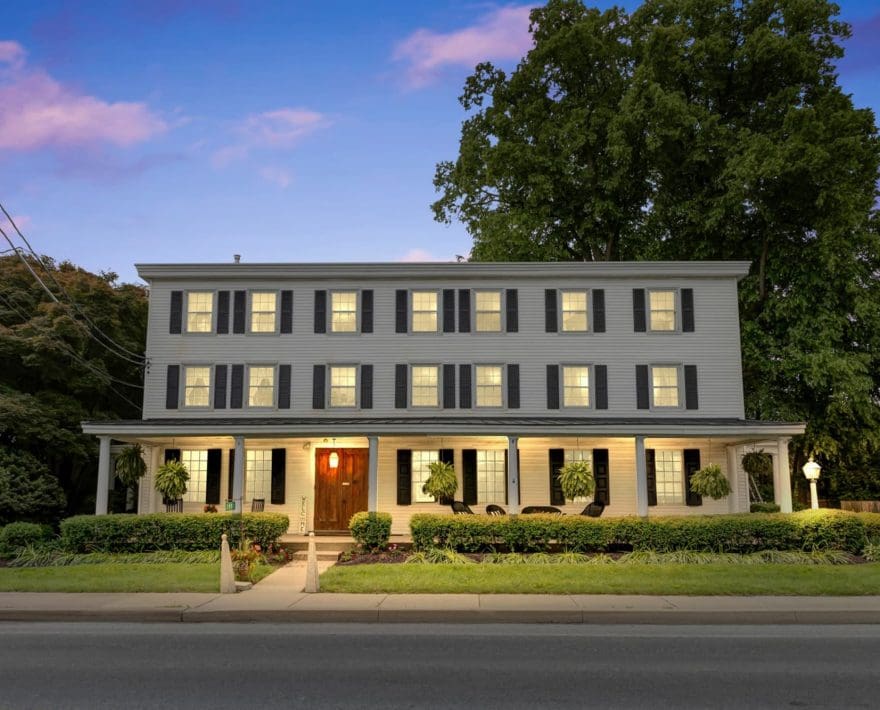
{"x": 168, "y": 577}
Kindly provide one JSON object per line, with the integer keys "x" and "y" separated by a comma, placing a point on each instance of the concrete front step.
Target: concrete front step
{"x": 322, "y": 555}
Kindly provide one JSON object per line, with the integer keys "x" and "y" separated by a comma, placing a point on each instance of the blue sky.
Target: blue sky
{"x": 282, "y": 131}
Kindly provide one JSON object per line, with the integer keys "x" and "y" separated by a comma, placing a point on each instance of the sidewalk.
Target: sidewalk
{"x": 279, "y": 598}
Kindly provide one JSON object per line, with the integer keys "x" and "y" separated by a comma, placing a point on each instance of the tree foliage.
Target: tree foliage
{"x": 28, "y": 492}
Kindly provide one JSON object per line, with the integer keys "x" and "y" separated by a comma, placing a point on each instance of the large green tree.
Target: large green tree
{"x": 698, "y": 129}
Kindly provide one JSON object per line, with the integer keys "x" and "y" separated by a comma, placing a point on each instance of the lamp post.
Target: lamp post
{"x": 811, "y": 471}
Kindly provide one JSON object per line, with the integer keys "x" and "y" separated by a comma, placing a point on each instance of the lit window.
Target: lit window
{"x": 196, "y": 463}
{"x": 662, "y": 305}
{"x": 670, "y": 481}
{"x": 420, "y": 472}
{"x": 424, "y": 311}
{"x": 199, "y": 308}
{"x": 263, "y": 311}
{"x": 425, "y": 380}
{"x": 488, "y": 311}
{"x": 491, "y": 477}
{"x": 574, "y": 311}
{"x": 344, "y": 311}
{"x": 579, "y": 455}
{"x": 342, "y": 386}
{"x": 575, "y": 386}
{"x": 261, "y": 386}
{"x": 489, "y": 386}
{"x": 196, "y": 386}
{"x": 664, "y": 383}
{"x": 258, "y": 473}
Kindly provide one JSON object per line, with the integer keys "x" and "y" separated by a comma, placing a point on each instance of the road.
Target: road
{"x": 436, "y": 666}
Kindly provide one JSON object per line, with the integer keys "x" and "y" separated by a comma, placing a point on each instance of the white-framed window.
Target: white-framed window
{"x": 670, "y": 477}
{"x": 199, "y": 311}
{"x": 664, "y": 385}
{"x": 487, "y": 308}
{"x": 196, "y": 386}
{"x": 196, "y": 462}
{"x": 661, "y": 309}
{"x": 491, "y": 477}
{"x": 489, "y": 379}
{"x": 575, "y": 386}
{"x": 425, "y": 385}
{"x": 343, "y": 386}
{"x": 261, "y": 386}
{"x": 574, "y": 311}
{"x": 343, "y": 311}
{"x": 424, "y": 311}
{"x": 258, "y": 473}
{"x": 264, "y": 305}
{"x": 420, "y": 472}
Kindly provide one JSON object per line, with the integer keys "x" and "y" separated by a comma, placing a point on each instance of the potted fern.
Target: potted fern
{"x": 171, "y": 481}
{"x": 130, "y": 469}
{"x": 441, "y": 483}
{"x": 576, "y": 480}
{"x": 710, "y": 481}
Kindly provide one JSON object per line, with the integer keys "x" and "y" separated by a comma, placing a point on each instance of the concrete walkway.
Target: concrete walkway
{"x": 279, "y": 598}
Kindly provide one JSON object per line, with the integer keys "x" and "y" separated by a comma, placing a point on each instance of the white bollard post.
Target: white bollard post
{"x": 227, "y": 574}
{"x": 312, "y": 585}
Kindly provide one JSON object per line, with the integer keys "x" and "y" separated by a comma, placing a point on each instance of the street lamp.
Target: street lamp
{"x": 811, "y": 471}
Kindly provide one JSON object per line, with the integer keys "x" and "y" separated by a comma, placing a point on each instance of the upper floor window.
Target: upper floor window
{"x": 491, "y": 477}
{"x": 196, "y": 386}
{"x": 421, "y": 461}
{"x": 261, "y": 386}
{"x": 664, "y": 385}
{"x": 670, "y": 477}
{"x": 263, "y": 308}
{"x": 574, "y": 311}
{"x": 489, "y": 386}
{"x": 424, "y": 311}
{"x": 575, "y": 386}
{"x": 196, "y": 462}
{"x": 343, "y": 383}
{"x": 258, "y": 473}
{"x": 199, "y": 311}
{"x": 343, "y": 306}
{"x": 661, "y": 305}
{"x": 425, "y": 385}
{"x": 488, "y": 311}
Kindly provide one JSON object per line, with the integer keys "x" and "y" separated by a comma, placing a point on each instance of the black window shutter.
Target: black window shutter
{"x": 642, "y": 400}
{"x": 318, "y": 386}
{"x": 465, "y": 396}
{"x": 687, "y": 310}
{"x": 222, "y": 312}
{"x": 212, "y": 477}
{"x": 598, "y": 295}
{"x": 286, "y": 312}
{"x": 239, "y": 306}
{"x": 366, "y": 386}
{"x": 601, "y": 476}
{"x": 513, "y": 386}
{"x": 400, "y": 314}
{"x": 447, "y": 456}
{"x": 175, "y": 322}
{"x": 404, "y": 477}
{"x": 449, "y": 387}
{"x": 691, "y": 398}
{"x": 400, "y": 395}
{"x": 367, "y": 311}
{"x": 448, "y": 310}
{"x": 639, "y": 322}
{"x": 464, "y": 310}
{"x": 512, "y": 310}
{"x": 172, "y": 387}
{"x": 172, "y": 455}
{"x": 320, "y": 311}
{"x": 221, "y": 381}
{"x": 691, "y": 466}
{"x": 651, "y": 474}
{"x": 279, "y": 476}
{"x": 284, "y": 387}
{"x": 231, "y": 474}
{"x": 551, "y": 324}
{"x": 236, "y": 387}
{"x": 601, "y": 386}
{"x": 469, "y": 476}
{"x": 552, "y": 386}
{"x": 557, "y": 461}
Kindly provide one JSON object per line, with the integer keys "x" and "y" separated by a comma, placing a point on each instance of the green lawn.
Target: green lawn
{"x": 605, "y": 579}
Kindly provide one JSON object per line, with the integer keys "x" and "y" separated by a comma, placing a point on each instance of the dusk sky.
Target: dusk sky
{"x": 282, "y": 131}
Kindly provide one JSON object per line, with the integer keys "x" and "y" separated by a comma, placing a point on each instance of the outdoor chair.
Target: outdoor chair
{"x": 594, "y": 509}
{"x": 532, "y": 509}
{"x": 493, "y": 509}
{"x": 258, "y": 505}
{"x": 461, "y": 508}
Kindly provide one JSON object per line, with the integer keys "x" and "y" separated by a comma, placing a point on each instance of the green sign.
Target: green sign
{"x": 230, "y": 505}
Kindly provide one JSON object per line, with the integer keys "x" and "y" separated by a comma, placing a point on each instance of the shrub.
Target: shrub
{"x": 17, "y": 536}
{"x": 709, "y": 481}
{"x": 168, "y": 531}
{"x": 371, "y": 531}
{"x": 28, "y": 491}
{"x": 763, "y": 508}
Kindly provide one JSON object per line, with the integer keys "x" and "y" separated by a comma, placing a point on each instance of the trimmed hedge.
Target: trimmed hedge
{"x": 15, "y": 536}
{"x": 168, "y": 531}
{"x": 746, "y": 533}
{"x": 371, "y": 530}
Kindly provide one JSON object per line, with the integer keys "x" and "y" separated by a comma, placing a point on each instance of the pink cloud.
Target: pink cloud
{"x": 282, "y": 128}
{"x": 502, "y": 34}
{"x": 277, "y": 176}
{"x": 11, "y": 53}
{"x": 414, "y": 256}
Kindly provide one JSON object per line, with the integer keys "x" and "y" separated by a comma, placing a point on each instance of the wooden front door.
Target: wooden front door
{"x": 342, "y": 491}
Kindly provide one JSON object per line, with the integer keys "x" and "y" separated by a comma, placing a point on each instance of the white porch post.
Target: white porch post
{"x": 238, "y": 475}
{"x": 512, "y": 475}
{"x": 103, "y": 492}
{"x": 641, "y": 479}
{"x": 733, "y": 476}
{"x": 782, "y": 479}
{"x": 373, "y": 476}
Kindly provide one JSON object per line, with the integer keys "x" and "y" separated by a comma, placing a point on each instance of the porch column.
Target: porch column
{"x": 733, "y": 476}
{"x": 641, "y": 479}
{"x": 238, "y": 475}
{"x": 512, "y": 475}
{"x": 373, "y": 475}
{"x": 103, "y": 492}
{"x": 782, "y": 477}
